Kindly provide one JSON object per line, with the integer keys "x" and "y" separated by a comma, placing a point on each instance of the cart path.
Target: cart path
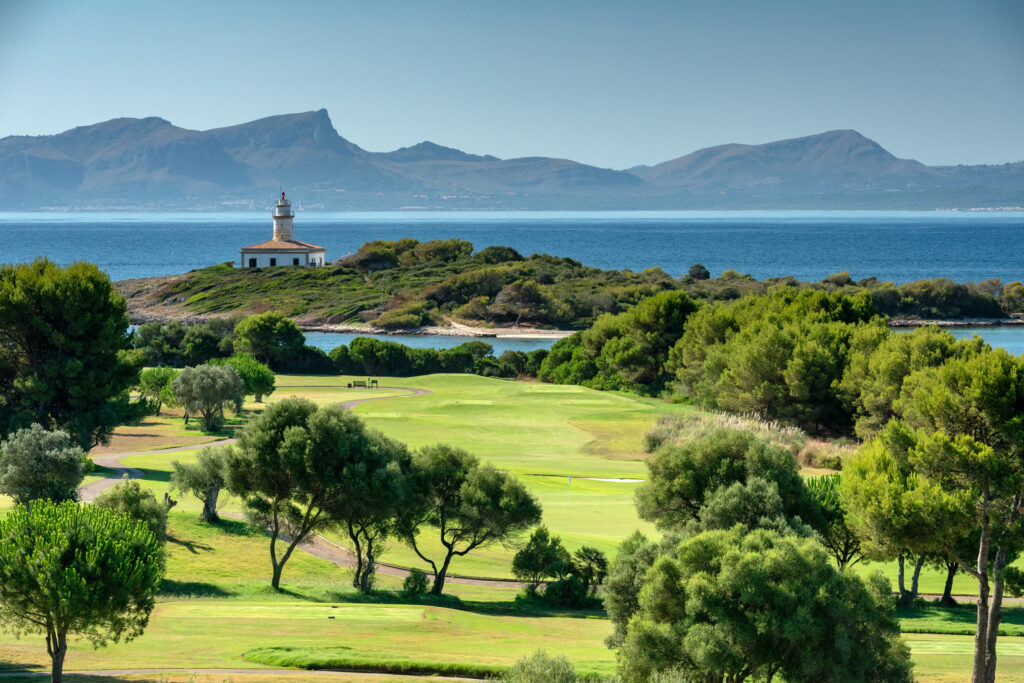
{"x": 318, "y": 546}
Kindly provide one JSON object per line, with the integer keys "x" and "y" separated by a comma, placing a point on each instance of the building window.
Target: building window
{"x": 273, "y": 261}
{"x": 295, "y": 261}
{"x": 252, "y": 263}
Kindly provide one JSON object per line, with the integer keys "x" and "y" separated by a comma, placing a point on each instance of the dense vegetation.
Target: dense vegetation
{"x": 406, "y": 284}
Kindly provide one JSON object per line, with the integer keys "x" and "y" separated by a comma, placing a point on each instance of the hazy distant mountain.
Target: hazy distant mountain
{"x": 839, "y": 158}
{"x": 150, "y": 163}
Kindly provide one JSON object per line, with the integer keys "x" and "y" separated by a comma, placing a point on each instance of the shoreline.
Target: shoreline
{"x": 519, "y": 332}
{"x": 902, "y": 323}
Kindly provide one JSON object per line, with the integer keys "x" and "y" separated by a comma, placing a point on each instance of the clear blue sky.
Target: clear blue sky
{"x": 609, "y": 83}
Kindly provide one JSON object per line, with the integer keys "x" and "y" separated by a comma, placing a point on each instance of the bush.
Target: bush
{"x": 568, "y": 592}
{"x": 129, "y": 498}
{"x": 541, "y": 667}
{"x": 39, "y": 465}
{"x": 416, "y": 584}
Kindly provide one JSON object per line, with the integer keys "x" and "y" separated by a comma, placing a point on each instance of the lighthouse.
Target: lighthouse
{"x": 283, "y": 217}
{"x": 284, "y": 249}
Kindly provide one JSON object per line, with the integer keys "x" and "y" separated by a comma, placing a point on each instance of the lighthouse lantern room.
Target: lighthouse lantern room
{"x": 284, "y": 249}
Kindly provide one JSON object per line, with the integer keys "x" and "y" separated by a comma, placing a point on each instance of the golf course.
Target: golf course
{"x": 579, "y": 451}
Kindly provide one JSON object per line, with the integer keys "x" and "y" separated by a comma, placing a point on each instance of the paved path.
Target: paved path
{"x": 318, "y": 546}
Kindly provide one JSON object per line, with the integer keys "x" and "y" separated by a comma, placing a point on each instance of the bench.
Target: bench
{"x": 358, "y": 383}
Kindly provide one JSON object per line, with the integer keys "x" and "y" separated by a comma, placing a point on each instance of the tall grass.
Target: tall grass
{"x": 809, "y": 452}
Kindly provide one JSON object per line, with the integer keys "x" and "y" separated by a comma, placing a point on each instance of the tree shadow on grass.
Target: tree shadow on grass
{"x": 192, "y": 589}
{"x": 192, "y": 546}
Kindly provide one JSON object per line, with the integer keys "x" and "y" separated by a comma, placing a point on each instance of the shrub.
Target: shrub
{"x": 39, "y": 465}
{"x": 541, "y": 667}
{"x": 129, "y": 498}
{"x": 567, "y": 592}
{"x": 416, "y": 584}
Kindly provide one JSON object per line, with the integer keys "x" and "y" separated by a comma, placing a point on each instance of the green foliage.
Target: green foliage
{"x": 39, "y": 465}
{"x": 835, "y": 533}
{"x": 66, "y": 568}
{"x": 206, "y": 389}
{"x": 1012, "y": 299}
{"x": 130, "y": 499}
{"x": 416, "y": 584}
{"x": 779, "y": 356}
{"x": 626, "y": 351}
{"x": 176, "y": 345}
{"x": 468, "y": 504}
{"x": 732, "y": 604}
{"x": 590, "y": 566}
{"x": 65, "y": 365}
{"x": 541, "y": 667}
{"x": 376, "y": 488}
{"x": 698, "y": 272}
{"x": 270, "y": 337}
{"x": 682, "y": 476}
{"x": 204, "y": 478}
{"x": 290, "y": 466}
{"x": 879, "y": 362}
{"x": 154, "y": 383}
{"x": 543, "y": 556}
{"x": 568, "y": 591}
{"x": 258, "y": 378}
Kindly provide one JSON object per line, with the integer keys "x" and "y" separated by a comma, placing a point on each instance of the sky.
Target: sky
{"x": 615, "y": 84}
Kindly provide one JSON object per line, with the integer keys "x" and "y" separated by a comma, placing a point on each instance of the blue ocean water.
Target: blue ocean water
{"x": 899, "y": 246}
{"x": 331, "y": 340}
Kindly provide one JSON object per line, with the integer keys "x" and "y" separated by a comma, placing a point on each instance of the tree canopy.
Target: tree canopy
{"x": 270, "y": 337}
{"x": 730, "y": 605}
{"x": 205, "y": 389}
{"x": 289, "y": 468}
{"x": 204, "y": 478}
{"x": 39, "y": 465}
{"x": 468, "y": 505}
{"x": 66, "y": 363}
{"x": 76, "y": 569}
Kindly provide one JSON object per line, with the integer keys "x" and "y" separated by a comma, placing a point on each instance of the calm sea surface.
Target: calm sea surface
{"x": 898, "y": 246}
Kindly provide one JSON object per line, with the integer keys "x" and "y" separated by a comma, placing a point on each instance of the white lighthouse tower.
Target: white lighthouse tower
{"x": 283, "y": 217}
{"x": 284, "y": 249}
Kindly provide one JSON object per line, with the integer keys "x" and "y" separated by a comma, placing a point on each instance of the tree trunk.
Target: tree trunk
{"x": 995, "y": 614}
{"x": 979, "y": 673}
{"x": 57, "y": 647}
{"x": 947, "y": 591}
{"x": 275, "y": 578}
{"x": 915, "y": 578}
{"x": 439, "y": 576}
{"x": 901, "y": 584}
{"x": 209, "y": 514}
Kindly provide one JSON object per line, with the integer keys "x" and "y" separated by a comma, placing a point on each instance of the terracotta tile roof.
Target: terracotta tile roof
{"x": 282, "y": 245}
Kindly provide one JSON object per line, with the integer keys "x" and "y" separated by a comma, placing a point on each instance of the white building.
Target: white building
{"x": 283, "y": 250}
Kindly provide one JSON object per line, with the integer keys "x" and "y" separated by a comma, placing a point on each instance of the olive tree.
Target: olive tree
{"x": 288, "y": 468}
{"x": 70, "y": 568}
{"x": 466, "y": 504}
{"x": 66, "y": 363}
{"x": 204, "y": 478}
{"x": 39, "y": 465}
{"x": 205, "y": 389}
{"x": 376, "y": 487}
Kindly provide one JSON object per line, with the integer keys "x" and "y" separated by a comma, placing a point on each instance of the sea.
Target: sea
{"x": 809, "y": 245}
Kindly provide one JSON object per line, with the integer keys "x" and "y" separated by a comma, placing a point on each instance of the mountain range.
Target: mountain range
{"x": 152, "y": 164}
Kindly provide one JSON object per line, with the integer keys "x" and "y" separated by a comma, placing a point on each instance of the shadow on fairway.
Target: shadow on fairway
{"x": 192, "y": 589}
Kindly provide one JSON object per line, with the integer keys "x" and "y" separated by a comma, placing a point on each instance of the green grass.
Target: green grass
{"x": 957, "y": 620}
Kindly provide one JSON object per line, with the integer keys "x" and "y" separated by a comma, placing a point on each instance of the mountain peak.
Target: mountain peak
{"x": 430, "y": 151}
